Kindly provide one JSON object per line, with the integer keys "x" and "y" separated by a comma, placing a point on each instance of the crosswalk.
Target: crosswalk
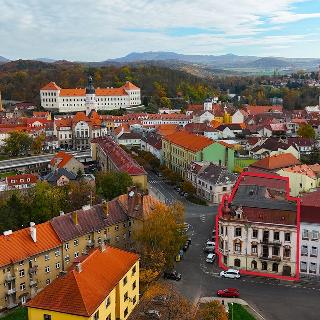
{"x": 153, "y": 181}
{"x": 203, "y": 218}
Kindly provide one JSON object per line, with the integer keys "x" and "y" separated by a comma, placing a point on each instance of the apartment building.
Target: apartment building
{"x": 33, "y": 257}
{"x": 111, "y": 157}
{"x": 181, "y": 148}
{"x": 30, "y": 259}
{"x": 102, "y": 285}
{"x": 257, "y": 228}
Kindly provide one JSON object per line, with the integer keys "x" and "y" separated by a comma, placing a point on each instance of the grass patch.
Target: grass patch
{"x": 239, "y": 312}
{"x": 16, "y": 314}
{"x": 6, "y": 174}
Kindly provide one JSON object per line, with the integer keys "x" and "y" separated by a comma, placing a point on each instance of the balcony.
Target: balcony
{"x": 268, "y": 258}
{"x": 33, "y": 269}
{"x": 9, "y": 277}
{"x": 11, "y": 291}
{"x": 276, "y": 243}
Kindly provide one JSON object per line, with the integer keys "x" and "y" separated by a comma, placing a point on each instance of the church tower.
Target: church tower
{"x": 91, "y": 103}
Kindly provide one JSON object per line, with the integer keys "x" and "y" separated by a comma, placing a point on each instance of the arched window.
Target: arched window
{"x": 254, "y": 264}
{"x": 237, "y": 263}
{"x": 275, "y": 267}
{"x": 264, "y": 266}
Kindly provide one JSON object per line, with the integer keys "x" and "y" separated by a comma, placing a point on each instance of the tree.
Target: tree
{"x": 188, "y": 187}
{"x": 161, "y": 238}
{"x": 212, "y": 311}
{"x": 80, "y": 193}
{"x": 37, "y": 144}
{"x": 18, "y": 143}
{"x": 112, "y": 184}
{"x": 306, "y": 131}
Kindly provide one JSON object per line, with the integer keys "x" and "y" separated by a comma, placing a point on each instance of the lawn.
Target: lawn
{"x": 239, "y": 312}
{"x": 6, "y": 174}
{"x": 16, "y": 314}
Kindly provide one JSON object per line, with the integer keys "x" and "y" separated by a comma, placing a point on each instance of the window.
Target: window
{"x": 237, "y": 232}
{"x": 58, "y": 265}
{"x": 287, "y": 236}
{"x": 21, "y": 263}
{"x": 254, "y": 249}
{"x": 275, "y": 267}
{"x": 125, "y": 297}
{"x": 108, "y": 317}
{"x": 315, "y": 235}
{"x": 254, "y": 233}
{"x": 125, "y": 312}
{"x": 46, "y": 317}
{"x": 254, "y": 264}
{"x": 276, "y": 236}
{"x": 57, "y": 253}
{"x": 125, "y": 280}
{"x": 134, "y": 300}
{"x": 237, "y": 263}
{"x": 237, "y": 247}
{"x": 46, "y": 257}
{"x": 116, "y": 227}
{"x": 117, "y": 238}
{"x": 47, "y": 269}
{"x": 22, "y": 286}
{"x": 76, "y": 254}
{"x": 287, "y": 252}
{"x": 313, "y": 267}
{"x": 76, "y": 242}
{"x": 264, "y": 266}
{"x": 96, "y": 316}
{"x": 304, "y": 250}
{"x": 108, "y": 302}
{"x": 21, "y": 273}
{"x": 303, "y": 266}
{"x": 314, "y": 252}
{"x": 305, "y": 234}
{"x": 48, "y": 282}
{"x": 134, "y": 285}
{"x": 275, "y": 251}
{"x": 66, "y": 246}
{"x": 134, "y": 269}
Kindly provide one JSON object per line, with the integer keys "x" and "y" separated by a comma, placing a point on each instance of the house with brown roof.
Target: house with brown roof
{"x": 66, "y": 161}
{"x": 21, "y": 181}
{"x": 102, "y": 285}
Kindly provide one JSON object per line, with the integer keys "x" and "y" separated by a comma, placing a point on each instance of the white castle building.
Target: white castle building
{"x": 72, "y": 100}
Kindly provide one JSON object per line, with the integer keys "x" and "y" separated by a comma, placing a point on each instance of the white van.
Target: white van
{"x": 210, "y": 246}
{"x": 210, "y": 258}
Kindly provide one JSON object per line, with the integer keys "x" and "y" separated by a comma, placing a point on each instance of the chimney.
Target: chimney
{"x": 79, "y": 267}
{"x": 33, "y": 231}
{"x": 75, "y": 217}
{"x": 7, "y": 233}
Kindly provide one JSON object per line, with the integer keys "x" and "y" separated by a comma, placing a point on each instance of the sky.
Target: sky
{"x": 97, "y": 30}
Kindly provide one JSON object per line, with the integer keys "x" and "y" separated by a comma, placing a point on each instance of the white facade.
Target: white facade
{"x": 238, "y": 117}
{"x": 310, "y": 249}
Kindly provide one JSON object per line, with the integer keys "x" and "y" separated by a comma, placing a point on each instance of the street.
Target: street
{"x": 272, "y": 299}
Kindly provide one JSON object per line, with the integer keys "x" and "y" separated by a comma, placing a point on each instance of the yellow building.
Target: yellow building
{"x": 103, "y": 285}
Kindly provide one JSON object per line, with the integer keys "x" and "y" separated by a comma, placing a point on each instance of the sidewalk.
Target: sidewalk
{"x": 254, "y": 312}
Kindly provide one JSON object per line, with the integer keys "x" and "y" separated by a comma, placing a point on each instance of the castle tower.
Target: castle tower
{"x": 207, "y": 105}
{"x": 91, "y": 103}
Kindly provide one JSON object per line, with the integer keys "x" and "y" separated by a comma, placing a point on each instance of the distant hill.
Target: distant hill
{"x": 3, "y": 59}
{"x": 47, "y": 60}
{"x": 269, "y": 62}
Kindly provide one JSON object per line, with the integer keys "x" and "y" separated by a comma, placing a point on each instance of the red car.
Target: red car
{"x": 228, "y": 293}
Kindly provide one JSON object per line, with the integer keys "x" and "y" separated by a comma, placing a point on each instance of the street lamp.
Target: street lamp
{"x": 232, "y": 311}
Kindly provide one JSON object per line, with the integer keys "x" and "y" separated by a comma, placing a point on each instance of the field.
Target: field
{"x": 239, "y": 312}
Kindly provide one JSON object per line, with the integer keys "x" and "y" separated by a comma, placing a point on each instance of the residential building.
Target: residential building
{"x": 66, "y": 161}
{"x": 152, "y": 143}
{"x": 102, "y": 285}
{"x": 213, "y": 182}
{"x": 182, "y": 148}
{"x": 258, "y": 227}
{"x": 111, "y": 157}
{"x": 239, "y": 116}
{"x": 310, "y": 236}
{"x": 60, "y": 177}
{"x": 30, "y": 259}
{"x": 129, "y": 139}
{"x": 71, "y": 100}
{"x": 21, "y": 181}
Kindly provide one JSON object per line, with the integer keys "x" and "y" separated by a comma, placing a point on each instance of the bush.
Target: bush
{"x": 17, "y": 314}
{"x": 196, "y": 200}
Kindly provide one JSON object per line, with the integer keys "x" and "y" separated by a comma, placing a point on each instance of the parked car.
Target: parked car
{"x": 210, "y": 258}
{"x": 230, "y": 273}
{"x": 228, "y": 293}
{"x": 189, "y": 241}
{"x": 186, "y": 246}
{"x": 153, "y": 314}
{"x": 172, "y": 275}
{"x": 209, "y": 247}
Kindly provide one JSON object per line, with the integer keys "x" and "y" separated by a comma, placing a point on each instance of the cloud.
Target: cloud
{"x": 101, "y": 29}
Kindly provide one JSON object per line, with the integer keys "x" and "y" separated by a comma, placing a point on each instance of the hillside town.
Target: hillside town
{"x": 239, "y": 184}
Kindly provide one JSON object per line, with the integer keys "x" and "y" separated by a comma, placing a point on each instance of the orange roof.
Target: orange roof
{"x": 302, "y": 169}
{"x": 80, "y": 116}
{"x": 51, "y": 86}
{"x": 19, "y": 245}
{"x": 130, "y": 86}
{"x": 111, "y": 92}
{"x": 277, "y": 161}
{"x": 81, "y": 293}
{"x": 72, "y": 92}
{"x": 60, "y": 159}
{"x": 166, "y": 129}
{"x": 189, "y": 141}
{"x": 225, "y": 144}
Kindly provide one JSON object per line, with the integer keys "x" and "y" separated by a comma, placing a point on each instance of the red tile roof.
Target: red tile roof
{"x": 302, "y": 169}
{"x": 253, "y": 110}
{"x": 189, "y": 141}
{"x": 21, "y": 179}
{"x": 19, "y": 245}
{"x": 278, "y": 161}
{"x": 51, "y": 86}
{"x": 81, "y": 293}
{"x": 195, "y": 107}
{"x": 130, "y": 86}
{"x": 60, "y": 159}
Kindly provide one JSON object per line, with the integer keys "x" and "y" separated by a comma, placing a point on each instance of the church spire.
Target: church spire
{"x": 90, "y": 88}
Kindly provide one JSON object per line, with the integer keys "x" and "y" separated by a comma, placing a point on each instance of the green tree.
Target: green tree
{"x": 188, "y": 187}
{"x": 18, "y": 143}
{"x": 306, "y": 131}
{"x": 112, "y": 184}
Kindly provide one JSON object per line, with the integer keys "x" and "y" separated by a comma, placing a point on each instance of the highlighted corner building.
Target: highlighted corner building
{"x": 257, "y": 227}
